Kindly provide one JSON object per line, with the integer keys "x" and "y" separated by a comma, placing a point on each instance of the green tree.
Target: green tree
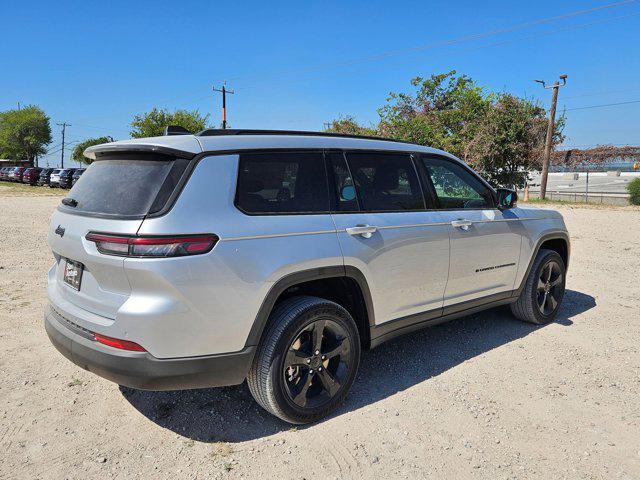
{"x": 443, "y": 112}
{"x": 633, "y": 188}
{"x": 501, "y": 135}
{"x": 78, "y": 151}
{"x": 509, "y": 140}
{"x": 24, "y": 133}
{"x": 153, "y": 123}
{"x": 349, "y": 126}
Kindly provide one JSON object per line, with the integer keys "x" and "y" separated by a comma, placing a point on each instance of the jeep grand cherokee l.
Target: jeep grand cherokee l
{"x": 192, "y": 261}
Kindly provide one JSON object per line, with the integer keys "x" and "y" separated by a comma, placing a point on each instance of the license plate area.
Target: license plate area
{"x": 73, "y": 273}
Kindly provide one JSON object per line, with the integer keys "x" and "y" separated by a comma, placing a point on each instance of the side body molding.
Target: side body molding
{"x": 400, "y": 326}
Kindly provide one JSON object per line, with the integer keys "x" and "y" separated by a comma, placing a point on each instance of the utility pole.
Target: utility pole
{"x": 64, "y": 125}
{"x": 224, "y": 92}
{"x": 552, "y": 122}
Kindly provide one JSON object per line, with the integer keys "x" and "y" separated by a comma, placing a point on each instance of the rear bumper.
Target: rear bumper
{"x": 140, "y": 369}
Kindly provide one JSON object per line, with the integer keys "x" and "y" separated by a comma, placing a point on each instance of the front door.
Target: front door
{"x": 485, "y": 241}
{"x": 386, "y": 232}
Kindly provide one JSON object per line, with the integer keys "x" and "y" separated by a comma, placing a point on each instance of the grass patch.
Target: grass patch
{"x": 75, "y": 382}
{"x": 24, "y": 190}
{"x": 546, "y": 201}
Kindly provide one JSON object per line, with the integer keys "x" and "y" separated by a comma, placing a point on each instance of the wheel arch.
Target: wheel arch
{"x": 556, "y": 241}
{"x": 345, "y": 285}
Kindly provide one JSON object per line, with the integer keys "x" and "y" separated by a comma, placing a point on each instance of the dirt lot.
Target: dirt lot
{"x": 480, "y": 397}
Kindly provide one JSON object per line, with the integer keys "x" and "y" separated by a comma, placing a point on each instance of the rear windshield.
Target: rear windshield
{"x": 125, "y": 188}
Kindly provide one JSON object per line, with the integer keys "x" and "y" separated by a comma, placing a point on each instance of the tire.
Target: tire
{"x": 311, "y": 386}
{"x": 545, "y": 285}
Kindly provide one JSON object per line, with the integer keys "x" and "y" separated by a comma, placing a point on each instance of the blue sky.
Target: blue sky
{"x": 295, "y": 65}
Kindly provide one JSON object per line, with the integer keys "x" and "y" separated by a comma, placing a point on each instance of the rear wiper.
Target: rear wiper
{"x": 70, "y": 202}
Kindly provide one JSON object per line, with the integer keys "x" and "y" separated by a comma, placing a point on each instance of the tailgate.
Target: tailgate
{"x": 112, "y": 197}
{"x": 104, "y": 286}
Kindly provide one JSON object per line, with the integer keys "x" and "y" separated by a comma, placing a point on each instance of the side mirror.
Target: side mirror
{"x": 506, "y": 198}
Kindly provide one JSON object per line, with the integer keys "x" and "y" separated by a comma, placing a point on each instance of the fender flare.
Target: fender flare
{"x": 334, "y": 271}
{"x": 544, "y": 238}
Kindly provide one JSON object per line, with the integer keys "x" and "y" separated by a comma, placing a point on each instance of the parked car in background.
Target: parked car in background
{"x": 43, "y": 178}
{"x": 76, "y": 175}
{"x": 4, "y": 173}
{"x": 31, "y": 175}
{"x": 54, "y": 179}
{"x": 66, "y": 177}
{"x": 16, "y": 174}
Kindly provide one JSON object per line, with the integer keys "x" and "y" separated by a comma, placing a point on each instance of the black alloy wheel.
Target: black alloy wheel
{"x": 307, "y": 360}
{"x": 543, "y": 290}
{"x": 317, "y": 363}
{"x": 550, "y": 287}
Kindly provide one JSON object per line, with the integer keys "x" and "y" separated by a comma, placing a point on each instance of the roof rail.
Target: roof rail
{"x": 212, "y": 132}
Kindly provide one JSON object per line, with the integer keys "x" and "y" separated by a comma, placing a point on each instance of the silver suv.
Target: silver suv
{"x": 190, "y": 261}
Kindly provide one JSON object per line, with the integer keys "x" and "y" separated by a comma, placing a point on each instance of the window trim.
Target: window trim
{"x": 331, "y": 182}
{"x": 465, "y": 167}
{"x": 428, "y": 191}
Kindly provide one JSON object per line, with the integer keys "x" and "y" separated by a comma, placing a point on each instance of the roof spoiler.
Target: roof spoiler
{"x": 107, "y": 149}
{"x": 176, "y": 130}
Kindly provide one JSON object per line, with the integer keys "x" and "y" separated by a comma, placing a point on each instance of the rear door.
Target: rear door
{"x": 387, "y": 233}
{"x": 485, "y": 241}
{"x": 113, "y": 196}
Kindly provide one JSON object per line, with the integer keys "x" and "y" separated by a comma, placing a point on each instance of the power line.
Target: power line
{"x": 388, "y": 54}
{"x": 64, "y": 126}
{"x": 602, "y": 92}
{"x": 514, "y": 40}
{"x": 100, "y": 128}
{"x": 603, "y": 105}
{"x": 466, "y": 38}
{"x": 224, "y": 92}
{"x": 58, "y": 148}
{"x": 550, "y": 128}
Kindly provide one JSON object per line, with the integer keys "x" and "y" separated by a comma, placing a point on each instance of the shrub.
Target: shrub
{"x": 634, "y": 191}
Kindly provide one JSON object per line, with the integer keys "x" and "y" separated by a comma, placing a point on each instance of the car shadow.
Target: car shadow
{"x": 231, "y": 415}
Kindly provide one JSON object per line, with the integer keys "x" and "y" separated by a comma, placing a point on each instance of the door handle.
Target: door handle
{"x": 363, "y": 230}
{"x": 462, "y": 224}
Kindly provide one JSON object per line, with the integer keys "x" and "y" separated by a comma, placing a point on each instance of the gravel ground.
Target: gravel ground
{"x": 481, "y": 397}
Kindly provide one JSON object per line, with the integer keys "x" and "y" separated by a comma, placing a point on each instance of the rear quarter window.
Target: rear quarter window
{"x": 282, "y": 183}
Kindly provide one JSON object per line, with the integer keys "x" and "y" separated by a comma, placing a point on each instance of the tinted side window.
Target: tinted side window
{"x": 282, "y": 182}
{"x": 385, "y": 182}
{"x": 455, "y": 186}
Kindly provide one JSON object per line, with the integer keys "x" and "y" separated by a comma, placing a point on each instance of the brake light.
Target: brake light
{"x": 152, "y": 247}
{"x": 117, "y": 343}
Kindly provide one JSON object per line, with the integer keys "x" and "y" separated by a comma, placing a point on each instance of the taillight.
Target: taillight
{"x": 153, "y": 247}
{"x": 117, "y": 343}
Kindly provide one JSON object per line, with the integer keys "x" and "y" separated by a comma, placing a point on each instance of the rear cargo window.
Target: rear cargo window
{"x": 125, "y": 187}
